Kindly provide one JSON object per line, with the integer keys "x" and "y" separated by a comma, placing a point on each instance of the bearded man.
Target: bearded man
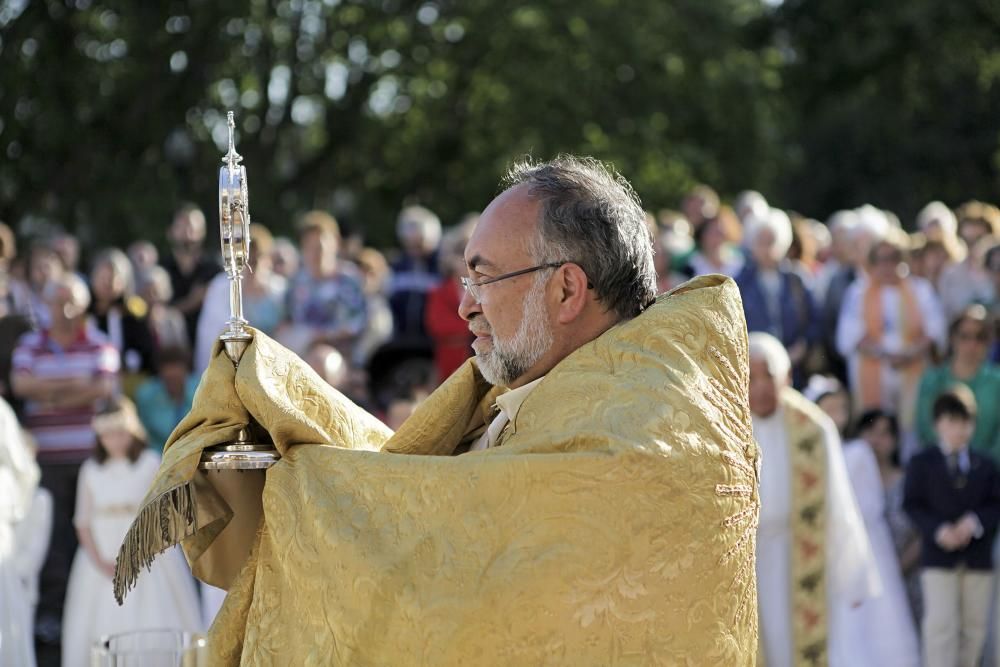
{"x": 522, "y": 271}
{"x": 582, "y": 492}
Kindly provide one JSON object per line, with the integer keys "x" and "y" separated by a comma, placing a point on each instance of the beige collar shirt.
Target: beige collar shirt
{"x": 509, "y": 404}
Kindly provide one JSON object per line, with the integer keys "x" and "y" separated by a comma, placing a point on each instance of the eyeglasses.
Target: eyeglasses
{"x": 473, "y": 288}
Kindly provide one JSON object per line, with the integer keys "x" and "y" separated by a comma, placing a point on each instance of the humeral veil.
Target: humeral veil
{"x": 615, "y": 526}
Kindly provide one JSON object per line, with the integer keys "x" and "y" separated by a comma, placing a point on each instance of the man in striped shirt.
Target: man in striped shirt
{"x": 63, "y": 374}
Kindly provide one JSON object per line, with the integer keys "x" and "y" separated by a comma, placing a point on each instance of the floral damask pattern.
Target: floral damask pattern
{"x": 615, "y": 526}
{"x": 809, "y": 549}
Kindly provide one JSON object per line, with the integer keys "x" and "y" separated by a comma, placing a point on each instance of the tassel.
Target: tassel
{"x": 160, "y": 524}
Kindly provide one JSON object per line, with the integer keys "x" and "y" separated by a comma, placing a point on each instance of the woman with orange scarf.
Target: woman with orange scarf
{"x": 889, "y": 326}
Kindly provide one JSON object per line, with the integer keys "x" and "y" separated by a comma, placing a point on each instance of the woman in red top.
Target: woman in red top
{"x": 449, "y": 332}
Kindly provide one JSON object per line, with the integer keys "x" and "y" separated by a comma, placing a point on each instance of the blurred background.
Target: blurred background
{"x": 838, "y": 158}
{"x": 112, "y": 111}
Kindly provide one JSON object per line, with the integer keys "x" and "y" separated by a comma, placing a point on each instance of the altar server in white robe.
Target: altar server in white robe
{"x": 19, "y": 476}
{"x": 814, "y": 560}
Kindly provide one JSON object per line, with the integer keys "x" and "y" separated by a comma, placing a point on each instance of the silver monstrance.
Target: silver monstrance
{"x": 250, "y": 450}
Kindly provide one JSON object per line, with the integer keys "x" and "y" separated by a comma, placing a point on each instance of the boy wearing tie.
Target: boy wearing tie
{"x": 952, "y": 495}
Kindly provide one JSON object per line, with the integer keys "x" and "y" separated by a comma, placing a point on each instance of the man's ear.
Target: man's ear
{"x": 571, "y": 284}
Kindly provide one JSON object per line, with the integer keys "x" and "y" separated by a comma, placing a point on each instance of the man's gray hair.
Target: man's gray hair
{"x": 591, "y": 216}
{"x": 765, "y": 347}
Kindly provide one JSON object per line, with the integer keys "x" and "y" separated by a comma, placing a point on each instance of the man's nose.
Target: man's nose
{"x": 467, "y": 307}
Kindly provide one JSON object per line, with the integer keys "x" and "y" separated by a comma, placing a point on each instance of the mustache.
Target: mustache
{"x": 480, "y": 328}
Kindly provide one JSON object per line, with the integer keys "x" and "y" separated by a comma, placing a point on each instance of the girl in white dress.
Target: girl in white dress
{"x": 111, "y": 486}
{"x": 884, "y": 625}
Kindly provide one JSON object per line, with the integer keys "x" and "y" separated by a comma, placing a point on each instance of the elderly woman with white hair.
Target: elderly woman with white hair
{"x": 814, "y": 558}
{"x": 776, "y": 298}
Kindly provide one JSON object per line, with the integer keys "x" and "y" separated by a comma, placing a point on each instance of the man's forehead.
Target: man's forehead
{"x": 503, "y": 229}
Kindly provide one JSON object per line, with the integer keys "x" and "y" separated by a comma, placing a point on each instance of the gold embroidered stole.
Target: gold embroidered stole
{"x": 807, "y": 451}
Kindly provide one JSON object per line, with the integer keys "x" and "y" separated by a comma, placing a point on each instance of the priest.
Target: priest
{"x": 582, "y": 492}
{"x": 814, "y": 561}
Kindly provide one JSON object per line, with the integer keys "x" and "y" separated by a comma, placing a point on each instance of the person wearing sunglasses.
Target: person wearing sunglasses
{"x": 969, "y": 338}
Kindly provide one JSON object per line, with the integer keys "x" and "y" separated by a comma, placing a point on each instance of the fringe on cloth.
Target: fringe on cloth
{"x": 161, "y": 524}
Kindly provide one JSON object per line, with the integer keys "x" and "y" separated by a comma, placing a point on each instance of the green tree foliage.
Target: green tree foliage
{"x": 893, "y": 103}
{"x": 111, "y": 112}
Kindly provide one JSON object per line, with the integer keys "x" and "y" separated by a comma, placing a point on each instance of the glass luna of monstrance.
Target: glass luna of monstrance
{"x": 251, "y": 449}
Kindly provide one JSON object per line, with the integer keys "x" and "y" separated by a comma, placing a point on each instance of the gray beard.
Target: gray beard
{"x": 509, "y": 360}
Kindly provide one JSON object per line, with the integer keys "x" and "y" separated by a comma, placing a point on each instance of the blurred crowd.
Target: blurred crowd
{"x": 893, "y": 317}
{"x": 877, "y": 323}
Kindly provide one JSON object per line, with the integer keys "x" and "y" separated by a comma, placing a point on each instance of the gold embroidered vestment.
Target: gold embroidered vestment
{"x": 615, "y": 526}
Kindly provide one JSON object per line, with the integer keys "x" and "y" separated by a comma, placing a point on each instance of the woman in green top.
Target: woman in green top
{"x": 969, "y": 339}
